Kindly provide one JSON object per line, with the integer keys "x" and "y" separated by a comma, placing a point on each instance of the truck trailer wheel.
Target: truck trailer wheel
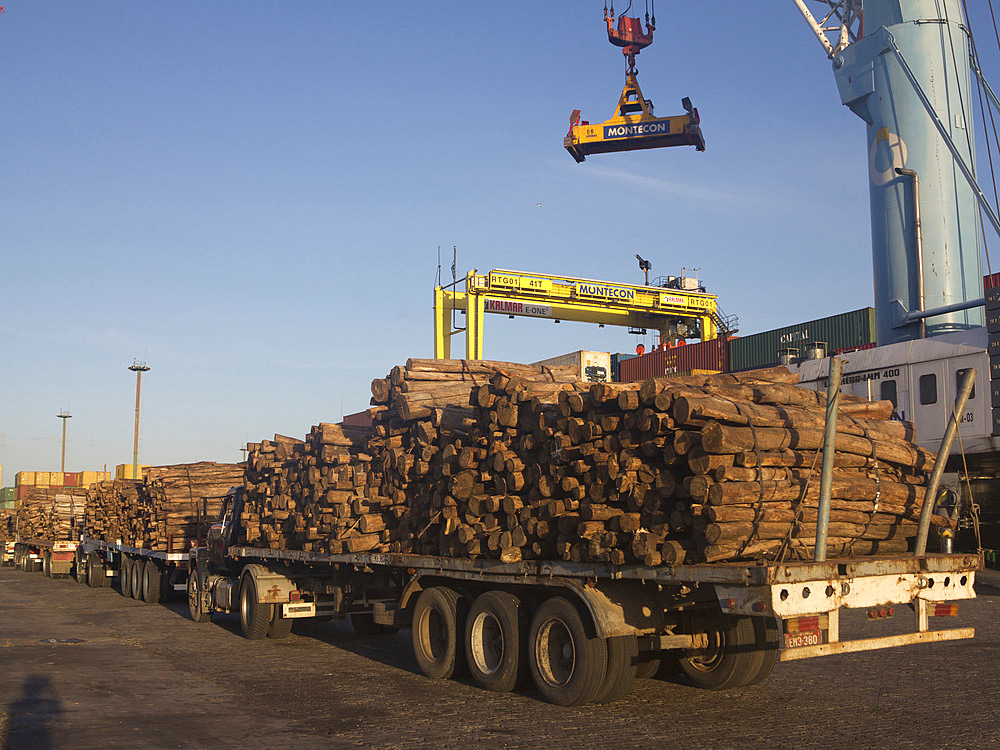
{"x": 621, "y": 672}
{"x": 646, "y": 669}
{"x": 124, "y": 576}
{"x": 80, "y": 567}
{"x": 280, "y": 626}
{"x": 151, "y": 578}
{"x": 255, "y": 618}
{"x": 766, "y": 633}
{"x": 363, "y": 623}
{"x": 568, "y": 666}
{"x": 135, "y": 578}
{"x": 438, "y": 619}
{"x": 496, "y": 641}
{"x": 195, "y": 604}
{"x": 47, "y": 564}
{"x": 730, "y": 660}
{"x": 95, "y": 572}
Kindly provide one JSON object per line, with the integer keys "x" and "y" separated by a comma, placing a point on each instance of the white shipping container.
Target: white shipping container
{"x": 594, "y": 367}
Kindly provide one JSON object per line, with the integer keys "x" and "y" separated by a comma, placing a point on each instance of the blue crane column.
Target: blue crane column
{"x": 929, "y": 38}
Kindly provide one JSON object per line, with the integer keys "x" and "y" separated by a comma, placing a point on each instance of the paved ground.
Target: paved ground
{"x": 138, "y": 675}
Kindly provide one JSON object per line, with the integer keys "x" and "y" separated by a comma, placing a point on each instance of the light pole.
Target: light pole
{"x": 138, "y": 368}
{"x": 64, "y": 415}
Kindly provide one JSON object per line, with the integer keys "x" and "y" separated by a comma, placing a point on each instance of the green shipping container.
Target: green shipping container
{"x": 8, "y": 494}
{"x": 844, "y": 331}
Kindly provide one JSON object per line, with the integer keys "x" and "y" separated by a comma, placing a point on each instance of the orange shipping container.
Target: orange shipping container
{"x": 706, "y": 355}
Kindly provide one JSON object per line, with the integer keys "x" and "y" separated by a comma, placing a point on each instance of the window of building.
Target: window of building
{"x": 887, "y": 391}
{"x": 959, "y": 374}
{"x": 928, "y": 389}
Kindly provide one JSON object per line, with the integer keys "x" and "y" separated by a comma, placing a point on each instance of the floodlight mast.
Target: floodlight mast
{"x": 63, "y": 415}
{"x": 138, "y": 368}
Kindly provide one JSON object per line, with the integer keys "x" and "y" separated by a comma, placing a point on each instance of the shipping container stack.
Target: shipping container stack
{"x": 992, "y": 288}
{"x": 616, "y": 365}
{"x": 704, "y": 357}
{"x": 848, "y": 330}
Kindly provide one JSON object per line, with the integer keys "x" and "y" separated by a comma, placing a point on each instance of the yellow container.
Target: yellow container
{"x": 89, "y": 478}
{"x": 24, "y": 479}
{"x": 42, "y": 478}
{"x": 124, "y": 471}
{"x": 56, "y": 479}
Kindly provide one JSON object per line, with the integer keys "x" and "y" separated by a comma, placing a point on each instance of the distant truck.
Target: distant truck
{"x": 47, "y": 525}
{"x": 582, "y": 632}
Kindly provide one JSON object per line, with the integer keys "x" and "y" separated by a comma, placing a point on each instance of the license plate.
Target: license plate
{"x": 797, "y": 640}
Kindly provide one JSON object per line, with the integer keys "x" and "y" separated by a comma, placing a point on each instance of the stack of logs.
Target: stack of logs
{"x": 109, "y": 504}
{"x": 51, "y": 513}
{"x": 171, "y": 507}
{"x": 510, "y": 461}
{"x": 7, "y": 525}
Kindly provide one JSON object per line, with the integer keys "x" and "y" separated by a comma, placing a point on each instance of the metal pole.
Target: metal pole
{"x": 918, "y": 243}
{"x": 63, "y": 415}
{"x": 829, "y": 448}
{"x": 968, "y": 381}
{"x": 138, "y": 368}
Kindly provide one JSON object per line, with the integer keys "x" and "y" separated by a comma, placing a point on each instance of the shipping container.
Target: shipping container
{"x": 8, "y": 494}
{"x": 710, "y": 355}
{"x": 844, "y": 331}
{"x": 88, "y": 478}
{"x": 124, "y": 471}
{"x": 992, "y": 281}
{"x": 359, "y": 419}
{"x": 26, "y": 478}
{"x": 71, "y": 479}
{"x": 594, "y": 367}
{"x": 616, "y": 365}
{"x": 56, "y": 479}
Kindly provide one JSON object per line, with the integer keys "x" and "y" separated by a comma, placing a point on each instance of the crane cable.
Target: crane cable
{"x": 965, "y": 121}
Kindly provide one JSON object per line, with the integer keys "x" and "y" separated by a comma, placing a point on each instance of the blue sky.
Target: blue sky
{"x": 250, "y": 196}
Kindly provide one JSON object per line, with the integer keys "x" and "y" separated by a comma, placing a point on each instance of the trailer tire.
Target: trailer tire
{"x": 124, "y": 576}
{"x": 151, "y": 579}
{"x": 621, "y": 671}
{"x": 766, "y": 635}
{"x": 496, "y": 641}
{"x": 194, "y": 597}
{"x": 567, "y": 665}
{"x": 95, "y": 572}
{"x": 47, "y": 564}
{"x": 438, "y": 620}
{"x": 80, "y": 567}
{"x": 135, "y": 579}
{"x": 646, "y": 669}
{"x": 280, "y": 627}
{"x": 363, "y": 623}
{"x": 730, "y": 659}
{"x": 255, "y": 618}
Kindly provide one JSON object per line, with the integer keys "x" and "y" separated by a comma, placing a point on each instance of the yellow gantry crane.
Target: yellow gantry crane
{"x": 674, "y": 312}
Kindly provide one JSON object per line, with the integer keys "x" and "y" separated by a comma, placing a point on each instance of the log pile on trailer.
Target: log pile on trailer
{"x": 509, "y": 461}
{"x": 109, "y": 504}
{"x": 51, "y": 513}
{"x": 165, "y": 511}
{"x": 7, "y": 525}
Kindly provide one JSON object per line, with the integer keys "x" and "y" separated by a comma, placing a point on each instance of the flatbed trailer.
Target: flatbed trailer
{"x": 143, "y": 574}
{"x": 53, "y": 557}
{"x": 582, "y": 631}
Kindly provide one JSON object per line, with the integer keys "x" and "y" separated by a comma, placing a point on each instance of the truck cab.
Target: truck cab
{"x": 223, "y": 533}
